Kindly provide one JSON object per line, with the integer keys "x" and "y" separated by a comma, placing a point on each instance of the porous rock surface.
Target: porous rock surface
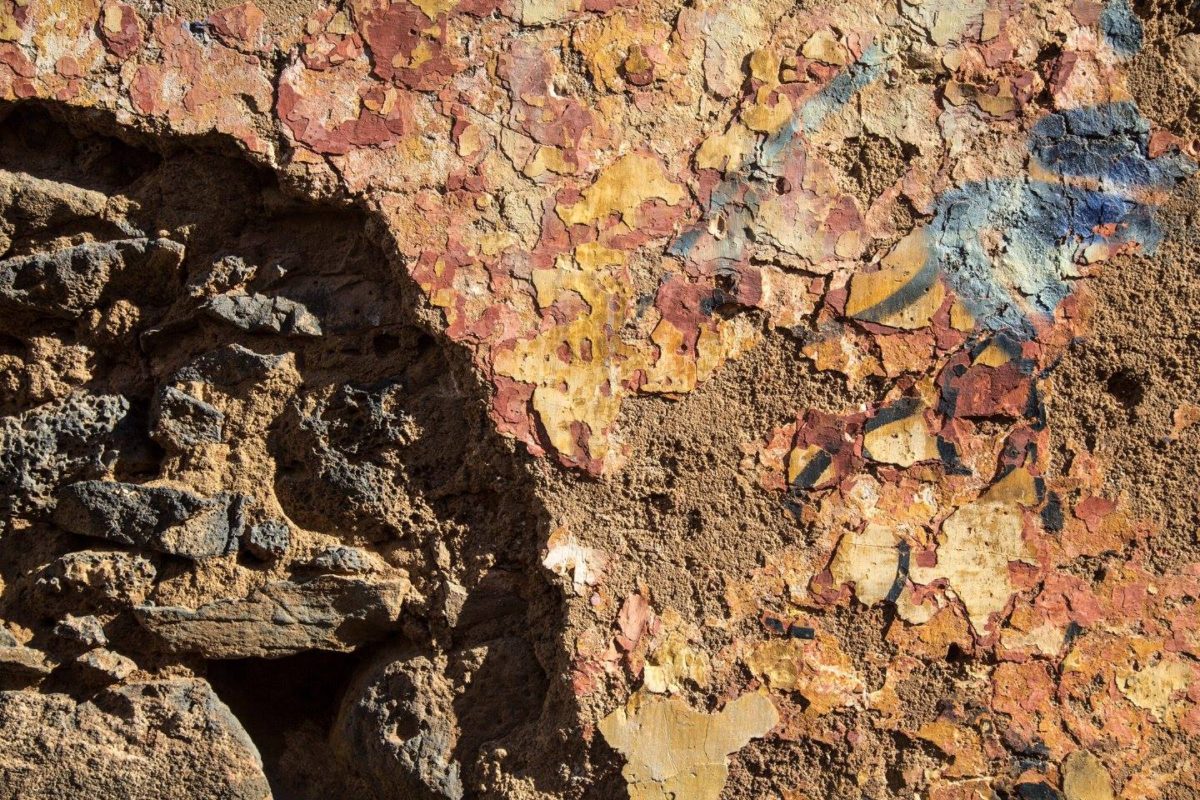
{"x": 593, "y": 398}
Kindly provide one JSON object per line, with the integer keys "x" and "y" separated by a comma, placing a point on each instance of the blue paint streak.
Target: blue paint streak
{"x": 754, "y": 181}
{"x": 1007, "y": 247}
{"x": 831, "y": 98}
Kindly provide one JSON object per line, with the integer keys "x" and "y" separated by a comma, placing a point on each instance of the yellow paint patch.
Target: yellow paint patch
{"x": 576, "y": 368}
{"x": 540, "y": 12}
{"x": 1018, "y": 486}
{"x": 728, "y": 151}
{"x": 673, "y": 752}
{"x": 1085, "y": 778}
{"x": 674, "y": 663}
{"x": 1152, "y": 688}
{"x": 903, "y": 442}
{"x": 993, "y": 356}
{"x": 433, "y": 8}
{"x": 824, "y": 46}
{"x": 818, "y": 669}
{"x": 868, "y": 290}
{"x": 621, "y": 189}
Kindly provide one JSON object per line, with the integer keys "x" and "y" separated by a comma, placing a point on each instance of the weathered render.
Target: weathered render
{"x": 592, "y": 398}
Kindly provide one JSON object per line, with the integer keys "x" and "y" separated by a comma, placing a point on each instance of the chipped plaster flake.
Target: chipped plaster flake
{"x": 728, "y": 151}
{"x": 902, "y": 438}
{"x": 904, "y": 293}
{"x": 566, "y": 557}
{"x": 674, "y": 664}
{"x": 731, "y": 31}
{"x": 1085, "y": 778}
{"x": 672, "y": 751}
{"x": 818, "y": 669}
{"x": 975, "y": 547}
{"x": 869, "y": 560}
{"x": 541, "y": 12}
{"x": 1154, "y": 687}
{"x": 578, "y": 367}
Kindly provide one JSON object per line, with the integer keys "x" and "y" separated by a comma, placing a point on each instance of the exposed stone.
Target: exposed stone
{"x": 101, "y": 576}
{"x": 168, "y": 520}
{"x": 182, "y": 421}
{"x": 68, "y": 282}
{"x": 101, "y": 667}
{"x": 22, "y": 666}
{"x": 396, "y": 725}
{"x": 324, "y": 613}
{"x": 141, "y": 741}
{"x": 342, "y": 560}
{"x": 258, "y": 313}
{"x": 85, "y": 632}
{"x": 414, "y": 728}
{"x": 229, "y": 366}
{"x": 29, "y": 204}
{"x": 61, "y": 441}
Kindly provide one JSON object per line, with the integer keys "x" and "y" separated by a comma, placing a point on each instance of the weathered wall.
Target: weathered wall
{"x": 581, "y": 398}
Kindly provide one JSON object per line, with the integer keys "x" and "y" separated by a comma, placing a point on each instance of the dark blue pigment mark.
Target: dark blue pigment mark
{"x": 1039, "y": 231}
{"x": 1121, "y": 27}
{"x": 813, "y": 470}
{"x": 902, "y": 567}
{"x": 1110, "y": 142}
{"x": 1008, "y": 247}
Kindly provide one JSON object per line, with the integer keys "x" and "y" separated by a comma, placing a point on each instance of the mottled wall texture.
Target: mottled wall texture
{"x": 589, "y": 399}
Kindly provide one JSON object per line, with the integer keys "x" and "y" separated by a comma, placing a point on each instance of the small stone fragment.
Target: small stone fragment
{"x": 60, "y": 441}
{"x": 85, "y": 632}
{"x": 182, "y": 421}
{"x": 396, "y": 725}
{"x": 229, "y": 366}
{"x": 100, "y": 667}
{"x": 342, "y": 560}
{"x": 268, "y": 540}
{"x": 103, "y": 577}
